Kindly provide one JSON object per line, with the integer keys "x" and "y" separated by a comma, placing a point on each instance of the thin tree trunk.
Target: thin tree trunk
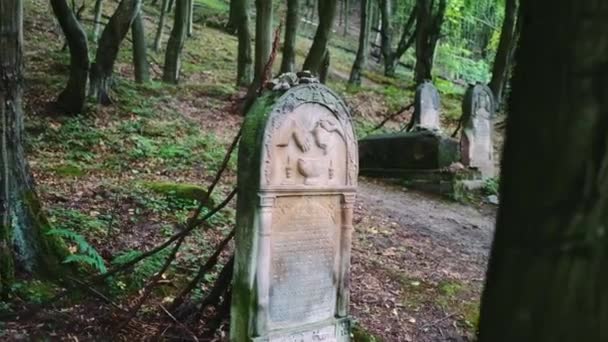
{"x": 23, "y": 227}
{"x": 233, "y": 16}
{"x": 176, "y": 43}
{"x": 140, "y": 55}
{"x": 72, "y": 99}
{"x": 346, "y": 11}
{"x": 170, "y": 5}
{"x": 190, "y": 17}
{"x": 428, "y": 30}
{"x": 244, "y": 58}
{"x": 161, "y": 26}
{"x": 291, "y": 32}
{"x": 316, "y": 54}
{"x": 386, "y": 34}
{"x": 502, "y": 61}
{"x": 97, "y": 19}
{"x": 324, "y": 72}
{"x": 363, "y": 50}
{"x": 107, "y": 51}
{"x": 263, "y": 38}
{"x": 547, "y": 278}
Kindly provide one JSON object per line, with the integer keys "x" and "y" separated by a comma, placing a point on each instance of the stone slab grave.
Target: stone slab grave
{"x": 476, "y": 141}
{"x": 297, "y": 179}
{"x": 427, "y": 107}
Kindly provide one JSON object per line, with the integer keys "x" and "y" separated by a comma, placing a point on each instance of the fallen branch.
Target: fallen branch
{"x": 390, "y": 117}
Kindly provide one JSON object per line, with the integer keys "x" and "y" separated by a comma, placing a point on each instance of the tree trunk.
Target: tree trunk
{"x": 363, "y": 50}
{"x": 170, "y": 5}
{"x": 73, "y": 97}
{"x": 97, "y": 19}
{"x": 291, "y": 32}
{"x": 263, "y": 38}
{"x": 502, "y": 61}
{"x": 324, "y": 72}
{"x": 23, "y": 242}
{"x": 161, "y": 26}
{"x": 244, "y": 59}
{"x": 547, "y": 277}
{"x": 386, "y": 34}
{"x": 233, "y": 17}
{"x": 190, "y": 17}
{"x": 428, "y": 30}
{"x": 107, "y": 51}
{"x": 140, "y": 55}
{"x": 316, "y": 54}
{"x": 346, "y": 11}
{"x": 176, "y": 43}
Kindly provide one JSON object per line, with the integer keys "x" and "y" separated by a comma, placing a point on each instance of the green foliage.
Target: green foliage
{"x": 178, "y": 190}
{"x": 34, "y": 291}
{"x": 77, "y": 221}
{"x": 491, "y": 186}
{"x": 142, "y": 271}
{"x": 87, "y": 254}
{"x": 362, "y": 335}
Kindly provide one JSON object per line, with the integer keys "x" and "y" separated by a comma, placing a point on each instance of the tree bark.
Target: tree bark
{"x": 547, "y": 277}
{"x": 97, "y": 19}
{"x": 291, "y": 32}
{"x": 363, "y": 50}
{"x": 176, "y": 43}
{"x": 23, "y": 242}
{"x": 316, "y": 54}
{"x": 233, "y": 16}
{"x": 161, "y": 26}
{"x": 346, "y": 12}
{"x": 190, "y": 17}
{"x": 502, "y": 62}
{"x": 244, "y": 58}
{"x": 390, "y": 55}
{"x": 140, "y": 55}
{"x": 263, "y": 38}
{"x": 72, "y": 99}
{"x": 107, "y": 51}
{"x": 324, "y": 72}
{"x": 428, "y": 30}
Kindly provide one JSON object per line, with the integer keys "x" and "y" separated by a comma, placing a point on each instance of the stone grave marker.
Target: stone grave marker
{"x": 476, "y": 142}
{"x": 427, "y": 107}
{"x": 297, "y": 178}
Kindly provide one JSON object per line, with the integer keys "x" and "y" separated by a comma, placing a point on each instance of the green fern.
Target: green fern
{"x": 87, "y": 254}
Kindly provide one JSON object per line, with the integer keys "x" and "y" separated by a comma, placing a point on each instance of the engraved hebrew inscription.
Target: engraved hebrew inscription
{"x": 303, "y": 253}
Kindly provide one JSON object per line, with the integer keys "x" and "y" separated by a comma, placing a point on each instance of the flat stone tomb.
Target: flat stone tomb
{"x": 294, "y": 227}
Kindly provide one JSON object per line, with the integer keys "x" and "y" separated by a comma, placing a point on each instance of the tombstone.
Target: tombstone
{"x": 476, "y": 141}
{"x": 427, "y": 107}
{"x": 297, "y": 179}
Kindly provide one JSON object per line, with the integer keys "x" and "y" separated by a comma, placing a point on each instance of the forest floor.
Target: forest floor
{"x": 121, "y": 176}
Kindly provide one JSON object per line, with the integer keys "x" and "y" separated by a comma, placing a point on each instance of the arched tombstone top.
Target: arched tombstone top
{"x": 427, "y": 106}
{"x": 478, "y": 100}
{"x": 309, "y": 141}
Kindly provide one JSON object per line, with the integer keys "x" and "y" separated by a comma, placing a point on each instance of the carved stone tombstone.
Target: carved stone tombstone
{"x": 476, "y": 142}
{"x": 297, "y": 178}
{"x": 427, "y": 107}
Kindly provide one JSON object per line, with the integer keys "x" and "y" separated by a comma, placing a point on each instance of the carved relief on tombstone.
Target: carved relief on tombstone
{"x": 297, "y": 179}
{"x": 427, "y": 107}
{"x": 476, "y": 142}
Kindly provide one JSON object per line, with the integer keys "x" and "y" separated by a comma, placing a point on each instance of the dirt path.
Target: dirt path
{"x": 418, "y": 264}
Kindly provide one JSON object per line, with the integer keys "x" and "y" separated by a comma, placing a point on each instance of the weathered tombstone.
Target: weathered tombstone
{"x": 427, "y": 107}
{"x": 297, "y": 178}
{"x": 477, "y": 129}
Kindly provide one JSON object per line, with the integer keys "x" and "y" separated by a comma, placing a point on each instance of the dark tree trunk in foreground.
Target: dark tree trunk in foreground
{"x": 263, "y": 38}
{"x": 363, "y": 50}
{"x": 392, "y": 56}
{"x": 233, "y": 16}
{"x": 176, "y": 43}
{"x": 244, "y": 58}
{"x": 97, "y": 19}
{"x": 291, "y": 31}
{"x": 428, "y": 29}
{"x": 502, "y": 62}
{"x": 107, "y": 51}
{"x": 73, "y": 97}
{"x": 140, "y": 55}
{"x": 547, "y": 279}
{"x": 316, "y": 54}
{"x": 161, "y": 26}
{"x": 23, "y": 242}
